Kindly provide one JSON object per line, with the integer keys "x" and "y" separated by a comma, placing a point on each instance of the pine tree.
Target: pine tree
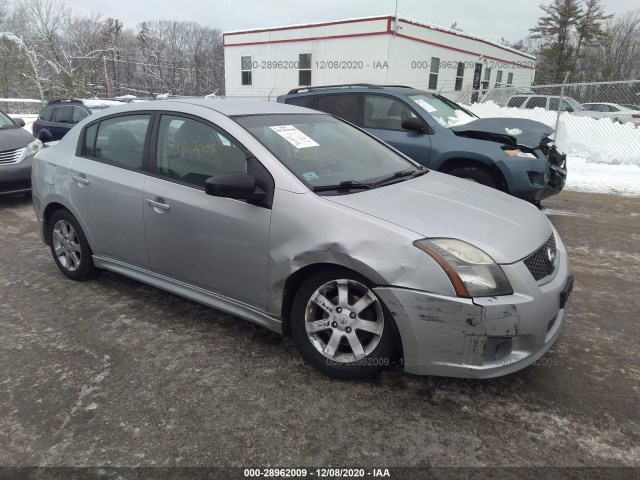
{"x": 589, "y": 30}
{"x": 555, "y": 30}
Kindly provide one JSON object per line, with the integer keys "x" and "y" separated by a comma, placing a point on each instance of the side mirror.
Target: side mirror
{"x": 19, "y": 122}
{"x": 239, "y": 186}
{"x": 413, "y": 125}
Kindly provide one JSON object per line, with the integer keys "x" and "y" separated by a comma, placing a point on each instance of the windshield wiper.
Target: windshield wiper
{"x": 346, "y": 185}
{"x": 401, "y": 174}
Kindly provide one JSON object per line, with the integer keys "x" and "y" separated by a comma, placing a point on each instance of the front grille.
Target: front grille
{"x": 539, "y": 263}
{"x": 10, "y": 156}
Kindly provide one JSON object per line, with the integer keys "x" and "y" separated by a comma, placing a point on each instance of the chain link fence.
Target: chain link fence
{"x": 598, "y": 121}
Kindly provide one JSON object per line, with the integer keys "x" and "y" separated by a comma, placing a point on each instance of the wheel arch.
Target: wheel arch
{"x": 44, "y": 134}
{"x": 458, "y": 162}
{"x": 293, "y": 283}
{"x": 296, "y": 279}
{"x": 59, "y": 203}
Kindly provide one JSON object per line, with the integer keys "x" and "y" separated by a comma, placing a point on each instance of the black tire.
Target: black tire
{"x": 81, "y": 264}
{"x": 379, "y": 350}
{"x": 476, "y": 174}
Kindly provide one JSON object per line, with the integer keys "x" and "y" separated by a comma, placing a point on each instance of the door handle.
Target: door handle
{"x": 82, "y": 180}
{"x": 158, "y": 205}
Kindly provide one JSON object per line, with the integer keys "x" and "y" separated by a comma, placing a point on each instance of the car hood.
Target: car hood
{"x": 437, "y": 205}
{"x": 14, "y": 138}
{"x": 510, "y": 131}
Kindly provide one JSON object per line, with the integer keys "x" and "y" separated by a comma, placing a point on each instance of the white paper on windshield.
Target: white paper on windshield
{"x": 425, "y": 105}
{"x": 294, "y": 136}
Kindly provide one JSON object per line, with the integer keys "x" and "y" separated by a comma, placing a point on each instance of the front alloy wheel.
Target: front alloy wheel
{"x": 340, "y": 326}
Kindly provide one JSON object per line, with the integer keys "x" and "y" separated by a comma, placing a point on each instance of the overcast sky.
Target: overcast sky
{"x": 492, "y": 19}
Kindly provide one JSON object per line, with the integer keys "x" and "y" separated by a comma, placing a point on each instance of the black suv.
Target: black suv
{"x": 59, "y": 116}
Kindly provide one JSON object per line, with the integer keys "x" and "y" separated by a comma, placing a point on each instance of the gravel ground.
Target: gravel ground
{"x": 111, "y": 372}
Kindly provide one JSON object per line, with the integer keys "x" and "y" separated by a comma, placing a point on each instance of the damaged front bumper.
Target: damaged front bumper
{"x": 554, "y": 179}
{"x": 480, "y": 337}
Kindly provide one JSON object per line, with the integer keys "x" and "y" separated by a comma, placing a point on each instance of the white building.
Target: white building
{"x": 376, "y": 50}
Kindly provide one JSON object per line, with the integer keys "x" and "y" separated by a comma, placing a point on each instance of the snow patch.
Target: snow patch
{"x": 585, "y": 176}
{"x": 460, "y": 118}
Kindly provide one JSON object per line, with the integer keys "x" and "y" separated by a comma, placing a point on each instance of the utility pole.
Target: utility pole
{"x": 106, "y": 76}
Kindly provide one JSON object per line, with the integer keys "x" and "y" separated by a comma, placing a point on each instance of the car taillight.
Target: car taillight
{"x": 635, "y": 115}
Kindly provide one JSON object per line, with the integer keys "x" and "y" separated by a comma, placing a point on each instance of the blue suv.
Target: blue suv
{"x": 511, "y": 154}
{"x": 59, "y": 116}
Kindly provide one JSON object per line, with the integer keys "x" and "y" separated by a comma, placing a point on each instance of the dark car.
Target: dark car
{"x": 514, "y": 155}
{"x": 17, "y": 148}
{"x": 59, "y": 116}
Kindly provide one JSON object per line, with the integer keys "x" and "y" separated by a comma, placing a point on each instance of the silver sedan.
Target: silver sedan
{"x": 310, "y": 227}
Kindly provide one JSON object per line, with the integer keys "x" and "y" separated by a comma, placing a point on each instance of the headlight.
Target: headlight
{"x": 31, "y": 149}
{"x": 472, "y": 272}
{"x": 514, "y": 152}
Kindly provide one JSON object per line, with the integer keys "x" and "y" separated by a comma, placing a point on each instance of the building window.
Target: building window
{"x": 459, "y": 76}
{"x": 498, "y": 78}
{"x": 487, "y": 78}
{"x": 304, "y": 72}
{"x": 433, "y": 75}
{"x": 510, "y": 79}
{"x": 245, "y": 70}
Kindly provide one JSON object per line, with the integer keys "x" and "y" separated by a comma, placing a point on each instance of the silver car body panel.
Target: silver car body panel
{"x": 217, "y": 243}
{"x": 192, "y": 292}
{"x": 237, "y": 257}
{"x": 108, "y": 200}
{"x": 450, "y": 336}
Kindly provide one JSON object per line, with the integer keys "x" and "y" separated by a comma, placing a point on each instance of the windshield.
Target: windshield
{"x": 323, "y": 151}
{"x": 5, "y": 121}
{"x": 443, "y": 111}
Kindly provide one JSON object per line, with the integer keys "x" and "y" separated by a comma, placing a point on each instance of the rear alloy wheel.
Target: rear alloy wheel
{"x": 475, "y": 174}
{"x": 69, "y": 246}
{"x": 340, "y": 326}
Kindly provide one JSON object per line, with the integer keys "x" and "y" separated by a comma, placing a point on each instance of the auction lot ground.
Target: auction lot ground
{"x": 112, "y": 372}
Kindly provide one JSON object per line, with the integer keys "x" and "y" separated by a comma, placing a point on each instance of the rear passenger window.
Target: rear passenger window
{"x": 535, "y": 102}
{"x": 120, "y": 140}
{"x": 46, "y": 114}
{"x": 191, "y": 151}
{"x": 64, "y": 115}
{"x": 343, "y": 106}
{"x": 516, "y": 102}
{"x": 303, "y": 101}
{"x": 79, "y": 114}
{"x": 554, "y": 103}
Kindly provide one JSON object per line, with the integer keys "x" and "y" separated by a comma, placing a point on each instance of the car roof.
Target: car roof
{"x": 331, "y": 89}
{"x": 231, "y": 107}
{"x": 227, "y": 107}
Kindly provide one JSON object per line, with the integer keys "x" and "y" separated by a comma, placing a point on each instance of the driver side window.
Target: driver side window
{"x": 385, "y": 113}
{"x": 191, "y": 151}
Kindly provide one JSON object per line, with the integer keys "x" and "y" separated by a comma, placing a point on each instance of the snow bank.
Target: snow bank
{"x": 583, "y": 176}
{"x": 595, "y": 140}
